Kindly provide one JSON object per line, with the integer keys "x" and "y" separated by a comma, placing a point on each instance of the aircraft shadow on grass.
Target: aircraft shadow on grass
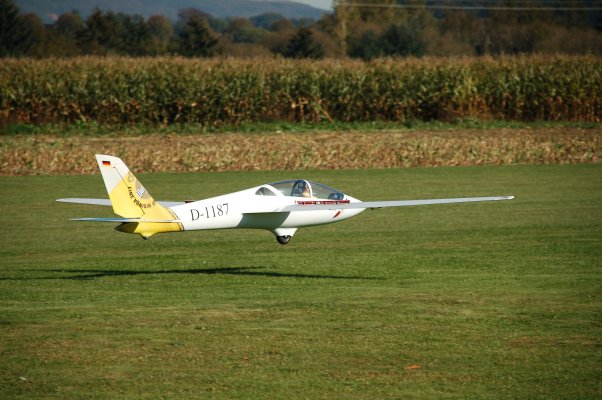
{"x": 84, "y": 274}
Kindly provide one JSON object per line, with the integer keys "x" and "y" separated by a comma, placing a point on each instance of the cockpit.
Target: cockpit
{"x": 301, "y": 188}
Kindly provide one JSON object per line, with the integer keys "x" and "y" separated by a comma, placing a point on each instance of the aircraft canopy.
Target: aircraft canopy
{"x": 303, "y": 188}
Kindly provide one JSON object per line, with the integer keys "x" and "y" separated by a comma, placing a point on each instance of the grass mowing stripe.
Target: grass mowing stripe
{"x": 497, "y": 300}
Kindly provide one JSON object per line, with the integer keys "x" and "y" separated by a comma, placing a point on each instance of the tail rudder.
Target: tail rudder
{"x": 128, "y": 197}
{"x": 131, "y": 200}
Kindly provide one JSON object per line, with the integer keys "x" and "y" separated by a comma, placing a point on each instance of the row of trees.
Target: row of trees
{"x": 356, "y": 31}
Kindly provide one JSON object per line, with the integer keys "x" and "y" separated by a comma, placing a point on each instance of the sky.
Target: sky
{"x": 325, "y": 4}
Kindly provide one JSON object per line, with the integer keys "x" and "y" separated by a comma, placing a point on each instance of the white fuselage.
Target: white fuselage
{"x": 246, "y": 209}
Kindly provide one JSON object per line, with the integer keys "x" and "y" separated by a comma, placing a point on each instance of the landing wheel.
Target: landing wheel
{"x": 283, "y": 239}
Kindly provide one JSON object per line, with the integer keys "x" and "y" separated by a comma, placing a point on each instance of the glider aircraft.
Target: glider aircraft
{"x": 279, "y": 207}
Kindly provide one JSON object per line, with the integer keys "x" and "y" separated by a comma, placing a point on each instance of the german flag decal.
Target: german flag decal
{"x": 106, "y": 163}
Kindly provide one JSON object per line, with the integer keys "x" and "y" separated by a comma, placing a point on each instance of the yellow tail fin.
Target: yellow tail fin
{"x": 131, "y": 200}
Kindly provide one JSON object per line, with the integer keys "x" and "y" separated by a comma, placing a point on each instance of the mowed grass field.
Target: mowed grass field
{"x": 477, "y": 301}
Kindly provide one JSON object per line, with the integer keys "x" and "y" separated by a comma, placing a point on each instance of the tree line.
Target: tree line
{"x": 364, "y": 32}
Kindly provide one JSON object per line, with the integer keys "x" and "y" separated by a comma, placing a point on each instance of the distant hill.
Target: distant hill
{"x": 169, "y": 8}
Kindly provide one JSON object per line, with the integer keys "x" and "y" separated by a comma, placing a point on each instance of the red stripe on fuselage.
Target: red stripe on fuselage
{"x": 308, "y": 202}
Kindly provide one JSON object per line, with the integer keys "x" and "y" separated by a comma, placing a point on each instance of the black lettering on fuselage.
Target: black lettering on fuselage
{"x": 194, "y": 214}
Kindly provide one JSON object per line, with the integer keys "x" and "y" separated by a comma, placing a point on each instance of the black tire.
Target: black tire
{"x": 283, "y": 239}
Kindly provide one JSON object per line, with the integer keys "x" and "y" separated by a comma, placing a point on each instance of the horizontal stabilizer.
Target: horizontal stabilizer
{"x": 381, "y": 204}
{"x": 97, "y": 202}
{"x": 138, "y": 220}
{"x": 107, "y": 202}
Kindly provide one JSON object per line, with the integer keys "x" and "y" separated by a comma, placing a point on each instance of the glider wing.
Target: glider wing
{"x": 380, "y": 204}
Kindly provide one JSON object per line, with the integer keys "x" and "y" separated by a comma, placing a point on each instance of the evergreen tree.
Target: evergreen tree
{"x": 135, "y": 35}
{"x": 303, "y": 45}
{"x": 403, "y": 40}
{"x": 102, "y": 34}
{"x": 197, "y": 39}
{"x": 13, "y": 32}
{"x": 35, "y": 44}
{"x": 367, "y": 47}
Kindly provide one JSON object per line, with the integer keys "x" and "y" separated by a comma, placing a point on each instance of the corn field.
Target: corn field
{"x": 45, "y": 154}
{"x": 163, "y": 91}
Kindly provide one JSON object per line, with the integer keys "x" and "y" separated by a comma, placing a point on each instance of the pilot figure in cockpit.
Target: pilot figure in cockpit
{"x": 301, "y": 189}
{"x": 306, "y": 192}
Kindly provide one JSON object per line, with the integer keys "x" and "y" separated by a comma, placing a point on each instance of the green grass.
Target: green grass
{"x": 94, "y": 129}
{"x": 478, "y": 301}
